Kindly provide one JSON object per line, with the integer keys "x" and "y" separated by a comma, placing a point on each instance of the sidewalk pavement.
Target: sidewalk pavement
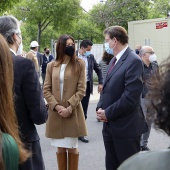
{"x": 92, "y": 154}
{"x": 95, "y": 96}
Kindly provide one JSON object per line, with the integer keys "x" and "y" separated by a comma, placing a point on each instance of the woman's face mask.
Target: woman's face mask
{"x": 70, "y": 51}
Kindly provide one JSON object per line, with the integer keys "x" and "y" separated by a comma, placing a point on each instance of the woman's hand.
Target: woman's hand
{"x": 64, "y": 113}
{"x": 59, "y": 107}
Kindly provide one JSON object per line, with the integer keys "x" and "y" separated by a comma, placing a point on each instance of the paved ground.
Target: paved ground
{"x": 92, "y": 154}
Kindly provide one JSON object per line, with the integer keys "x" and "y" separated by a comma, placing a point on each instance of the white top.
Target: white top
{"x": 120, "y": 54}
{"x": 62, "y": 70}
{"x": 67, "y": 142}
{"x": 86, "y": 62}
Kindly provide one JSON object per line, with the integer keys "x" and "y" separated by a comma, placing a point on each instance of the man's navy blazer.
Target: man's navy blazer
{"x": 45, "y": 62}
{"x": 93, "y": 65}
{"x": 29, "y": 103}
{"x": 120, "y": 97}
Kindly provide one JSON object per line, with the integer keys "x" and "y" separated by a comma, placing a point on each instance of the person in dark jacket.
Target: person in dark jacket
{"x": 150, "y": 69}
{"x": 47, "y": 57}
{"x": 160, "y": 114}
{"x": 12, "y": 150}
{"x": 91, "y": 64}
{"x": 119, "y": 104}
{"x": 30, "y": 107}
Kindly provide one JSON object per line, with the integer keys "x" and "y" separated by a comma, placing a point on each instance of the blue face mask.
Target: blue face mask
{"x": 108, "y": 49}
{"x": 87, "y": 53}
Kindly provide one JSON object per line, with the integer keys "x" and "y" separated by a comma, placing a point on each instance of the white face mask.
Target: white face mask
{"x": 152, "y": 58}
{"x": 20, "y": 49}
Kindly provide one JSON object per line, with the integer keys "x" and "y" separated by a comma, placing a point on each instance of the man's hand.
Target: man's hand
{"x": 100, "y": 87}
{"x": 101, "y": 115}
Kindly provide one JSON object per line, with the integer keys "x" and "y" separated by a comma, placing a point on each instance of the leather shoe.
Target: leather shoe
{"x": 144, "y": 148}
{"x": 83, "y": 139}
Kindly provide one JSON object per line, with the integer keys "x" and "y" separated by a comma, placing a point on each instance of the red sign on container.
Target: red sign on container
{"x": 161, "y": 25}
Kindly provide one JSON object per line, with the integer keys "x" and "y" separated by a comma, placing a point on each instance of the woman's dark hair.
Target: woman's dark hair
{"x": 160, "y": 95}
{"x": 107, "y": 57}
{"x": 60, "y": 51}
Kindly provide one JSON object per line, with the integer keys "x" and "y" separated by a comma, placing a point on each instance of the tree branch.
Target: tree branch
{"x": 45, "y": 21}
{"x": 43, "y": 28}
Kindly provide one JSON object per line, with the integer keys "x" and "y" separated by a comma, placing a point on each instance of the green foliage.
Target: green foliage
{"x": 85, "y": 29}
{"x": 159, "y": 9}
{"x": 44, "y": 20}
{"x": 58, "y": 14}
{"x": 7, "y": 4}
{"x": 119, "y": 12}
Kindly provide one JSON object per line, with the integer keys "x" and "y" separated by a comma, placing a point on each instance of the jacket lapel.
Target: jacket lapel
{"x": 89, "y": 60}
{"x": 56, "y": 73}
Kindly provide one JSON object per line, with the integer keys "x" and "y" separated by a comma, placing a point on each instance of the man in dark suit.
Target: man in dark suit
{"x": 119, "y": 104}
{"x": 47, "y": 57}
{"x": 91, "y": 64}
{"x": 29, "y": 103}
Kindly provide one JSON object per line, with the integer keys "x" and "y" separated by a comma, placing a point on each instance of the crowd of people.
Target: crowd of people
{"x": 134, "y": 94}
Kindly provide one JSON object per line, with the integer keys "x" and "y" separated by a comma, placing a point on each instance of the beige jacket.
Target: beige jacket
{"x": 33, "y": 57}
{"x": 73, "y": 92}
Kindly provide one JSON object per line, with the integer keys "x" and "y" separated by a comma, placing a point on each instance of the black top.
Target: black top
{"x": 148, "y": 72}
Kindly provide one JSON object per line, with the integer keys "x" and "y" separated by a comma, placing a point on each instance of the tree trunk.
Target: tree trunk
{"x": 91, "y": 38}
{"x": 39, "y": 34}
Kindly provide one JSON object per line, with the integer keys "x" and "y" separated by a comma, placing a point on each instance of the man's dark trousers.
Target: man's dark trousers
{"x": 85, "y": 100}
{"x": 116, "y": 147}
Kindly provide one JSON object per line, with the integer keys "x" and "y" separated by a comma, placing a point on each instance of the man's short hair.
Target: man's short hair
{"x": 118, "y": 32}
{"x": 143, "y": 50}
{"x": 9, "y": 25}
{"x": 86, "y": 43}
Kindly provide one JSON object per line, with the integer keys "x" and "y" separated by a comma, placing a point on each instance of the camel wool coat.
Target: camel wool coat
{"x": 74, "y": 88}
{"x": 33, "y": 57}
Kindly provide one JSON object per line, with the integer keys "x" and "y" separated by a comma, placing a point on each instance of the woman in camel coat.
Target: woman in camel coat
{"x": 64, "y": 89}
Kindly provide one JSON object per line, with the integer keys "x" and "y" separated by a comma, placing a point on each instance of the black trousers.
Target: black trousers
{"x": 118, "y": 149}
{"x": 85, "y": 100}
{"x": 35, "y": 162}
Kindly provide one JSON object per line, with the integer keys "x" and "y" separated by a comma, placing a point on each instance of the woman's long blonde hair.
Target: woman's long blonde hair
{"x": 8, "y": 120}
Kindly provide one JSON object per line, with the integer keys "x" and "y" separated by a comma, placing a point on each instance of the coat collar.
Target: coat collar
{"x": 66, "y": 61}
